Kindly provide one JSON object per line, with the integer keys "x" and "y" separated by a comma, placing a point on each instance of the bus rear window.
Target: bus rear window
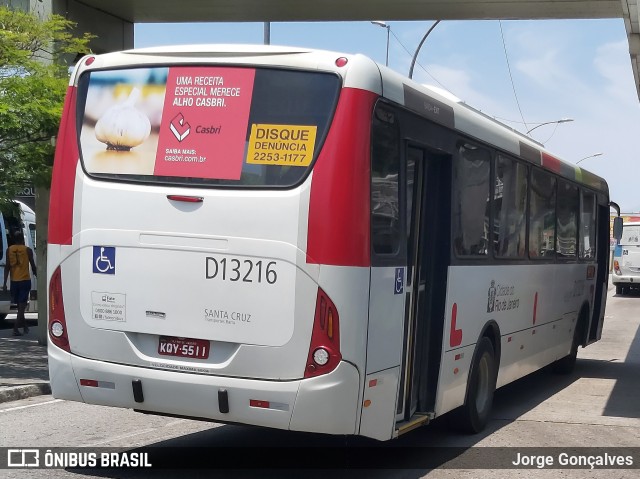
{"x": 204, "y": 125}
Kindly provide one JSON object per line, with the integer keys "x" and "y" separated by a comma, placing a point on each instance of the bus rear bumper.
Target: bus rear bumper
{"x": 327, "y": 404}
{"x": 627, "y": 280}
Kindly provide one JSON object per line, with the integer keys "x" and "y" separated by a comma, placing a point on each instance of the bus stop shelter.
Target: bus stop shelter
{"x": 112, "y": 22}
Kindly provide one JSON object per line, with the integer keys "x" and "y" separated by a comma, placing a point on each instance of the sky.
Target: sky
{"x": 552, "y": 69}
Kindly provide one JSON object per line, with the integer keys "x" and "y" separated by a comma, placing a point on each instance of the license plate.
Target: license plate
{"x": 183, "y": 347}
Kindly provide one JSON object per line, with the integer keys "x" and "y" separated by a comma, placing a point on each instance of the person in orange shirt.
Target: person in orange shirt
{"x": 19, "y": 257}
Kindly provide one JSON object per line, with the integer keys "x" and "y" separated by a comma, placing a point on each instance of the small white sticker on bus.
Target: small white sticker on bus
{"x": 109, "y": 306}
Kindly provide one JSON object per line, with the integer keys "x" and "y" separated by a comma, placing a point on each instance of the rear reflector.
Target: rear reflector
{"x": 92, "y": 383}
{"x": 259, "y": 403}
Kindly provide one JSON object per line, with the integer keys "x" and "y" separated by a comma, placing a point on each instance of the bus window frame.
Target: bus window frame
{"x": 460, "y": 140}
{"x": 527, "y": 165}
{"x": 543, "y": 258}
{"x": 583, "y": 192}
{"x": 562, "y": 258}
{"x": 399, "y": 257}
{"x": 403, "y": 117}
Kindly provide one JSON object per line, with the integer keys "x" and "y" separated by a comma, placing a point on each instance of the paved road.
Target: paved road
{"x": 598, "y": 406}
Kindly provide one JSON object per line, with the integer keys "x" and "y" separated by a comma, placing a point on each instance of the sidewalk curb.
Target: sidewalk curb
{"x": 14, "y": 393}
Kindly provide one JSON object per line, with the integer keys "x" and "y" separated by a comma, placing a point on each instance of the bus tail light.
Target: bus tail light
{"x": 57, "y": 322}
{"x": 616, "y": 267}
{"x": 324, "y": 351}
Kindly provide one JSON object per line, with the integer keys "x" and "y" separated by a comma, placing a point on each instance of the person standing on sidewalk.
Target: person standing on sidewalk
{"x": 19, "y": 257}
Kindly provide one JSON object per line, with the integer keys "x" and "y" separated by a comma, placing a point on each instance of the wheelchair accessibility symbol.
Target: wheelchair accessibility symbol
{"x": 104, "y": 260}
{"x": 399, "y": 282}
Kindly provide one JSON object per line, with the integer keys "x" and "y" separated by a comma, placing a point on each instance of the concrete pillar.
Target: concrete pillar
{"x": 112, "y": 33}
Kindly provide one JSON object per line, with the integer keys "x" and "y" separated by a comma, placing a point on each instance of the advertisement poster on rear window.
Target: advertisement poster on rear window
{"x": 180, "y": 121}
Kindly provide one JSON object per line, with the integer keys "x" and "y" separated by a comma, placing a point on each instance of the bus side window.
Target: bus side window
{"x": 386, "y": 229}
{"x": 588, "y": 226}
{"x": 471, "y": 182}
{"x": 510, "y": 205}
{"x": 542, "y": 215}
{"x": 567, "y": 220}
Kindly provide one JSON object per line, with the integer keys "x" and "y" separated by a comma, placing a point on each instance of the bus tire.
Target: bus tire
{"x": 473, "y": 415}
{"x": 2, "y": 318}
{"x": 567, "y": 364}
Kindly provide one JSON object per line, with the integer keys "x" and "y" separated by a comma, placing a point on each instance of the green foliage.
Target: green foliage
{"x": 35, "y": 55}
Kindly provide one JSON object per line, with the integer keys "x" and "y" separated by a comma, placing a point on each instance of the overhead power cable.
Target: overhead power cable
{"x": 513, "y": 86}
{"x": 419, "y": 64}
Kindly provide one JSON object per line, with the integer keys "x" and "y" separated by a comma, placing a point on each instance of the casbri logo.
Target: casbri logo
{"x": 179, "y": 127}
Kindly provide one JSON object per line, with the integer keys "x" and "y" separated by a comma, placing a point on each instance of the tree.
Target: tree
{"x": 34, "y": 73}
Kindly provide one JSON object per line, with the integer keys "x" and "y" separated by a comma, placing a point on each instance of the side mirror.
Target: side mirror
{"x": 617, "y": 227}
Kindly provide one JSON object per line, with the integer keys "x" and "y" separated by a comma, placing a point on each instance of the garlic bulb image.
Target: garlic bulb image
{"x": 123, "y": 126}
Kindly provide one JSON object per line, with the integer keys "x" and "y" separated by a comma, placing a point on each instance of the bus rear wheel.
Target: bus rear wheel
{"x": 473, "y": 416}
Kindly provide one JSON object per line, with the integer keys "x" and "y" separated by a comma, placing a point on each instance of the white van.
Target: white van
{"x": 626, "y": 260}
{"x": 8, "y": 227}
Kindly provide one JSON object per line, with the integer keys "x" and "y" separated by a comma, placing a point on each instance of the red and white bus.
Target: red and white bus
{"x": 307, "y": 240}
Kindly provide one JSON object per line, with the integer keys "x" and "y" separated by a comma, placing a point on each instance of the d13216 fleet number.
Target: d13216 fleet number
{"x": 245, "y": 270}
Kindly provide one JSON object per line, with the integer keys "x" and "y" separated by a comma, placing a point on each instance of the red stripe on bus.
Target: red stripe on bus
{"x": 550, "y": 162}
{"x": 455, "y": 337}
{"x": 339, "y": 232}
{"x": 64, "y": 173}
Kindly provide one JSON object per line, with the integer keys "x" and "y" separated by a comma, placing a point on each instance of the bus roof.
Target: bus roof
{"x": 360, "y": 72}
{"x": 444, "y": 108}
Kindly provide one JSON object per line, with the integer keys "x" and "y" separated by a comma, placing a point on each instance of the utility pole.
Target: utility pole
{"x": 267, "y": 33}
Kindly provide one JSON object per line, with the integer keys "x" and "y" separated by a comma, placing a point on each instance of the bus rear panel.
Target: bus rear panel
{"x": 183, "y": 280}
